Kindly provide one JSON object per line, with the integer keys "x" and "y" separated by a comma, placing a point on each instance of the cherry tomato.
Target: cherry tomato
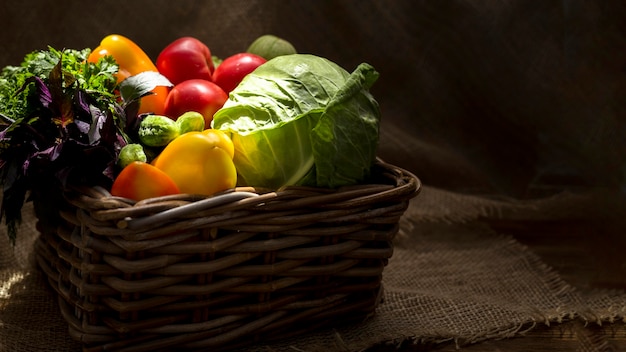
{"x": 195, "y": 95}
{"x": 234, "y": 68}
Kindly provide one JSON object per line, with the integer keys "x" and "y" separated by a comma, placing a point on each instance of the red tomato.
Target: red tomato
{"x": 195, "y": 95}
{"x": 139, "y": 180}
{"x": 234, "y": 68}
{"x": 185, "y": 58}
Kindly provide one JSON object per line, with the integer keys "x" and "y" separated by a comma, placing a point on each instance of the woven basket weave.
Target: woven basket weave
{"x": 195, "y": 272}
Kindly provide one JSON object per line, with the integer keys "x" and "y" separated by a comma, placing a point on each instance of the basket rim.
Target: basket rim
{"x": 393, "y": 185}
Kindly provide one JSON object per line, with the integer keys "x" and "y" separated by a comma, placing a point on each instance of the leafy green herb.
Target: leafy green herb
{"x": 64, "y": 123}
{"x": 92, "y": 77}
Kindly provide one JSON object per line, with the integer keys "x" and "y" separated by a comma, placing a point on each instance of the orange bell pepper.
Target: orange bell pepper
{"x": 140, "y": 180}
{"x": 200, "y": 162}
{"x": 132, "y": 60}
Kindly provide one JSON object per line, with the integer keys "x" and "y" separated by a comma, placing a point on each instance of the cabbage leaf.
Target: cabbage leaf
{"x": 302, "y": 119}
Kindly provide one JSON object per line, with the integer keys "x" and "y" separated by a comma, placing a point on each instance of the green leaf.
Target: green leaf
{"x": 302, "y": 119}
{"x": 140, "y": 85}
{"x": 346, "y": 138}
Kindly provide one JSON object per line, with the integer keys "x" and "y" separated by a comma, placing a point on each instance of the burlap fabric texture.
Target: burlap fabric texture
{"x": 451, "y": 280}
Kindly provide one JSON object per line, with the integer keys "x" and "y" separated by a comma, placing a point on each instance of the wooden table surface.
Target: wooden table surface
{"x": 588, "y": 256}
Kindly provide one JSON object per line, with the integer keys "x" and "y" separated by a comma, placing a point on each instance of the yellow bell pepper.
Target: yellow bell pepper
{"x": 132, "y": 60}
{"x": 200, "y": 162}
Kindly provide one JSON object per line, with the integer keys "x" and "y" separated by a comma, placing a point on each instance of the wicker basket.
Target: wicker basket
{"x": 222, "y": 271}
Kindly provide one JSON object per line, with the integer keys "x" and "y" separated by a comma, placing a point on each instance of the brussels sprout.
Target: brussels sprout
{"x": 129, "y": 153}
{"x": 190, "y": 121}
{"x": 157, "y": 130}
{"x": 270, "y": 46}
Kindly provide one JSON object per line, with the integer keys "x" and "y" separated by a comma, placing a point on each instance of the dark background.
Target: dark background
{"x": 518, "y": 98}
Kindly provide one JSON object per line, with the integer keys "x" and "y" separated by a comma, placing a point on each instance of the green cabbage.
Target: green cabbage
{"x": 302, "y": 119}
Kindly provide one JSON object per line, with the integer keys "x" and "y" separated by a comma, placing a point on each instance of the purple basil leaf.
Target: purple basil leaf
{"x": 43, "y": 93}
{"x": 131, "y": 111}
{"x": 82, "y": 102}
{"x": 98, "y": 121}
{"x": 50, "y": 154}
{"x": 83, "y": 128}
{"x": 108, "y": 130}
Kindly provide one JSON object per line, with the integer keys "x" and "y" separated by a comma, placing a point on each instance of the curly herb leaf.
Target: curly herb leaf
{"x": 63, "y": 120}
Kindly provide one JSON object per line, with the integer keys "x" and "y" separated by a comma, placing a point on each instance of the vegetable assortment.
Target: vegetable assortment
{"x": 132, "y": 60}
{"x": 61, "y": 120}
{"x": 188, "y": 122}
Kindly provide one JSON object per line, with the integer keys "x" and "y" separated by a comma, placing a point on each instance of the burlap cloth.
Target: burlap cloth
{"x": 451, "y": 279}
{"x": 489, "y": 103}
